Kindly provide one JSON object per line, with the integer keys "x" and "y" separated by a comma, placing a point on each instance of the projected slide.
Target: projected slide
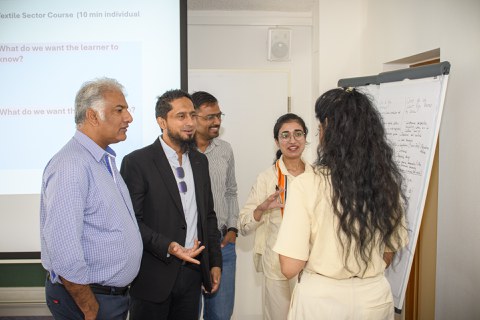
{"x": 48, "y": 49}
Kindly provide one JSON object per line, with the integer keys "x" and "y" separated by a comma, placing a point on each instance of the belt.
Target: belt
{"x": 114, "y": 291}
{"x": 99, "y": 289}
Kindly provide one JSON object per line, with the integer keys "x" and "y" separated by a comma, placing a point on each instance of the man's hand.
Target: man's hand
{"x": 185, "y": 254}
{"x": 83, "y": 297}
{"x": 215, "y": 275}
{"x": 230, "y": 237}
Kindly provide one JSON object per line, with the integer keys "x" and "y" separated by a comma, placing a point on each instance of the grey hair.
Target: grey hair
{"x": 91, "y": 95}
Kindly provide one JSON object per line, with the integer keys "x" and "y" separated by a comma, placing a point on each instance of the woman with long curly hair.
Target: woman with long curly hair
{"x": 344, "y": 222}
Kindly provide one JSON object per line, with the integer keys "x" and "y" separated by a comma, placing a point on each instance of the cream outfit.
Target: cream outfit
{"x": 277, "y": 289}
{"x": 309, "y": 233}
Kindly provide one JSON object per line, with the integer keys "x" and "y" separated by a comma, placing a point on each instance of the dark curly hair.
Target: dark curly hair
{"x": 367, "y": 185}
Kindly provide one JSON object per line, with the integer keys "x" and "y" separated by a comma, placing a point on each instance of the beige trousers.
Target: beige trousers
{"x": 276, "y": 298}
{"x": 318, "y": 297}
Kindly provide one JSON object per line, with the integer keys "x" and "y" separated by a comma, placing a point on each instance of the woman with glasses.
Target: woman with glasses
{"x": 343, "y": 223}
{"x": 263, "y": 211}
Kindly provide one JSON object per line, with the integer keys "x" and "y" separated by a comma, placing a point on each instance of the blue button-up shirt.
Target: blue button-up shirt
{"x": 88, "y": 229}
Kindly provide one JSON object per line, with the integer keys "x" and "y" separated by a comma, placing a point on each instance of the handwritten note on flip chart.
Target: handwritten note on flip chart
{"x": 411, "y": 111}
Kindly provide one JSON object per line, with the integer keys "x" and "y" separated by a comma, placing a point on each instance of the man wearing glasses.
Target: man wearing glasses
{"x": 224, "y": 188}
{"x": 169, "y": 185}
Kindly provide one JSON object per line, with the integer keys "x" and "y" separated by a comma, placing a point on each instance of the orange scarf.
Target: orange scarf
{"x": 282, "y": 184}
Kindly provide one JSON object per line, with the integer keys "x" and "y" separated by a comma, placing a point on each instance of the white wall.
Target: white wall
{"x": 238, "y": 41}
{"x": 356, "y": 38}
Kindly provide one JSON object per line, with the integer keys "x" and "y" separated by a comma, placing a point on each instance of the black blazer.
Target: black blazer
{"x": 158, "y": 208}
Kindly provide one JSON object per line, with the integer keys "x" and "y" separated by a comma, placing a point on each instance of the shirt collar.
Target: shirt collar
{"x": 308, "y": 167}
{"x": 95, "y": 150}
{"x": 169, "y": 152}
{"x": 213, "y": 143}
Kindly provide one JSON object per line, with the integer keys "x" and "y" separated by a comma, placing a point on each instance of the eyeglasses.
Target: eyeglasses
{"x": 182, "y": 116}
{"x": 297, "y": 135}
{"x": 211, "y": 117}
{"x": 182, "y": 185}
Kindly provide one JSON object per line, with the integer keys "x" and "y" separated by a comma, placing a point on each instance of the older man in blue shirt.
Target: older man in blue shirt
{"x": 90, "y": 241}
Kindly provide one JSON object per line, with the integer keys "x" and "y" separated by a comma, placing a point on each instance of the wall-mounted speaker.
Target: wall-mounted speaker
{"x": 279, "y": 44}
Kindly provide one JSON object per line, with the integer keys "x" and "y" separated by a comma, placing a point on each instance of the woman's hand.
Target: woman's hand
{"x": 273, "y": 201}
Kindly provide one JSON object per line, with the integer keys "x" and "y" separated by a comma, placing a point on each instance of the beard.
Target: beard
{"x": 186, "y": 144}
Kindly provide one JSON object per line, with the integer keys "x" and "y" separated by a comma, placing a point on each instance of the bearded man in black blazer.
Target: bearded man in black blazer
{"x": 169, "y": 184}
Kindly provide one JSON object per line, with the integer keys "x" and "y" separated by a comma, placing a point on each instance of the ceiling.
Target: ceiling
{"x": 251, "y": 5}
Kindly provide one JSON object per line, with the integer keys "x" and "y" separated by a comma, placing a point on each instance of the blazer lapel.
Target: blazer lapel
{"x": 197, "y": 176}
{"x": 198, "y": 179}
{"x": 165, "y": 170}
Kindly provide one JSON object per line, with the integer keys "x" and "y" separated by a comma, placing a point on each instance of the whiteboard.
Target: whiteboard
{"x": 412, "y": 112}
{"x": 252, "y": 101}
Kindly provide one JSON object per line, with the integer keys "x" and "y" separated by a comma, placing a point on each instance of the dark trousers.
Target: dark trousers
{"x": 181, "y": 304}
{"x": 63, "y": 307}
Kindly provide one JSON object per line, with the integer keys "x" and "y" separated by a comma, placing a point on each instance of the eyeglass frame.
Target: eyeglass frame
{"x": 211, "y": 117}
{"x": 296, "y": 134}
{"x": 181, "y": 116}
